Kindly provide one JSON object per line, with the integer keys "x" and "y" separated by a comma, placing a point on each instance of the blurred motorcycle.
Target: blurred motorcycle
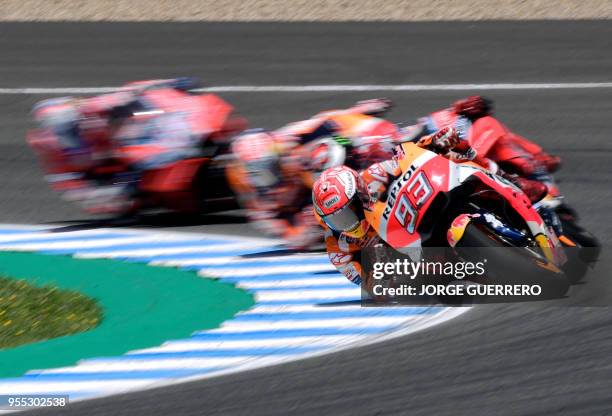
{"x": 125, "y": 174}
{"x": 516, "y": 155}
{"x": 491, "y": 139}
{"x": 272, "y": 172}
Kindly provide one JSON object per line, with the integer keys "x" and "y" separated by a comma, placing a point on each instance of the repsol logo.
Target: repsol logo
{"x": 396, "y": 187}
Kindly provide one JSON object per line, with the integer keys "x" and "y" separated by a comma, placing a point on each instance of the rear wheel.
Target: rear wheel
{"x": 584, "y": 239}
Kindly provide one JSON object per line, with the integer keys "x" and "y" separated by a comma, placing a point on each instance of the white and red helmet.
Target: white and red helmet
{"x": 323, "y": 154}
{"x": 258, "y": 151}
{"x": 373, "y": 149}
{"x": 338, "y": 199}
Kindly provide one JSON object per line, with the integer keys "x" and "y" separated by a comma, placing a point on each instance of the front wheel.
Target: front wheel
{"x": 516, "y": 266}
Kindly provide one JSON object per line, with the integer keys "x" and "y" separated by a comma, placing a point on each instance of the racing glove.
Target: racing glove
{"x": 446, "y": 142}
{"x": 441, "y": 141}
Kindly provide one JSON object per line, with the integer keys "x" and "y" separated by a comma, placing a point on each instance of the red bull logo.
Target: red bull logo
{"x": 457, "y": 228}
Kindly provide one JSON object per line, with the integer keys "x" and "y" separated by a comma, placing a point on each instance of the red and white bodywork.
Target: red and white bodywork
{"x": 425, "y": 175}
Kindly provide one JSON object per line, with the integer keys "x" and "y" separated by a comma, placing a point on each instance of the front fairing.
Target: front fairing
{"x": 423, "y": 176}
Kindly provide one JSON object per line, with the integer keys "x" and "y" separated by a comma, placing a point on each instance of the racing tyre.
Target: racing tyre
{"x": 584, "y": 251}
{"x": 511, "y": 266}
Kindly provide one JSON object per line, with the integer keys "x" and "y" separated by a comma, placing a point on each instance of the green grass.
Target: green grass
{"x": 31, "y": 313}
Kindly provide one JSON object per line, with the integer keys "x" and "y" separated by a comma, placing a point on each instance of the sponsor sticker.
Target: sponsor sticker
{"x": 330, "y": 202}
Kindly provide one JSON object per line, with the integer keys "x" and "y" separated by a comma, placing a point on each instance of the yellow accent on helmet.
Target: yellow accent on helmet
{"x": 359, "y": 231}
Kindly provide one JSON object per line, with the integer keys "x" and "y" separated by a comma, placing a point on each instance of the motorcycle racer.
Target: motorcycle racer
{"x": 273, "y": 171}
{"x": 340, "y": 196}
{"x": 143, "y": 126}
{"x": 86, "y": 123}
{"x": 473, "y": 119}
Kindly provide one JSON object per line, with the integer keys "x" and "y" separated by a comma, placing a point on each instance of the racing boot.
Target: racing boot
{"x": 550, "y": 162}
{"x": 534, "y": 190}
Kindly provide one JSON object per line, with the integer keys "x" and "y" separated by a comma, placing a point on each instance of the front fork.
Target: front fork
{"x": 484, "y": 219}
{"x": 551, "y": 219}
{"x": 510, "y": 234}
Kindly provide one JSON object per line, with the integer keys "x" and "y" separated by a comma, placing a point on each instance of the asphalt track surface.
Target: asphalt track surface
{"x": 497, "y": 359}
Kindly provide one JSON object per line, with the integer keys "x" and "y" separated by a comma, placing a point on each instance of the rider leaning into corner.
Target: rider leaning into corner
{"x": 340, "y": 196}
{"x": 97, "y": 135}
{"x": 273, "y": 171}
{"x": 510, "y": 155}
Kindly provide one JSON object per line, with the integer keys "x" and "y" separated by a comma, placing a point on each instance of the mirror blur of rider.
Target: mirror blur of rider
{"x": 340, "y": 195}
{"x": 92, "y": 132}
{"x": 273, "y": 171}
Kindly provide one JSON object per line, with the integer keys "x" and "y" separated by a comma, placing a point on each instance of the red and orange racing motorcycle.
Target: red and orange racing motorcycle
{"x": 438, "y": 203}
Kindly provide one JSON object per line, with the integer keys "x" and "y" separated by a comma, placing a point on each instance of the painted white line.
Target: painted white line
{"x": 408, "y": 87}
{"x": 74, "y": 244}
{"x": 152, "y": 252}
{"x": 322, "y": 282}
{"x": 234, "y": 260}
{"x": 314, "y": 340}
{"x": 192, "y": 236}
{"x": 60, "y": 90}
{"x": 360, "y": 322}
{"x": 299, "y": 308}
{"x": 110, "y": 365}
{"x": 260, "y": 271}
{"x": 320, "y": 294}
{"x": 341, "y": 308}
{"x": 332, "y": 88}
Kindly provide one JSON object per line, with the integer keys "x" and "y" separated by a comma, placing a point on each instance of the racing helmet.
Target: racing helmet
{"x": 52, "y": 112}
{"x": 473, "y": 107}
{"x": 324, "y": 154}
{"x": 257, "y": 151}
{"x": 338, "y": 200}
{"x": 373, "y": 149}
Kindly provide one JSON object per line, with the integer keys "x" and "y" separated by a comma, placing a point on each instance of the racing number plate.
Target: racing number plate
{"x": 416, "y": 194}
